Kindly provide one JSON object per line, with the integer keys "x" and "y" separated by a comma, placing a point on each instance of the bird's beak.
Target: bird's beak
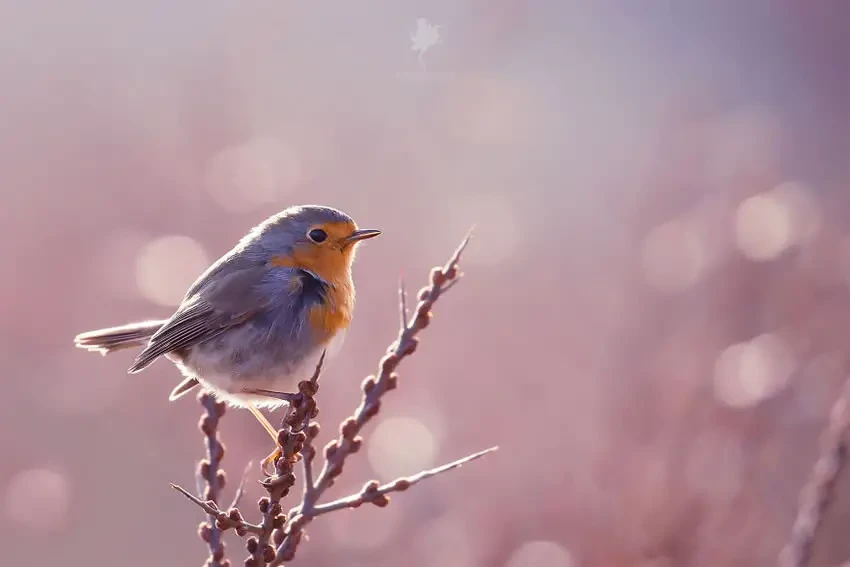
{"x": 362, "y": 234}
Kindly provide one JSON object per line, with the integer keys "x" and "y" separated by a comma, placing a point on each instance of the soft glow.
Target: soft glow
{"x": 38, "y": 499}
{"x": 114, "y": 263}
{"x": 243, "y": 177}
{"x": 167, "y": 266}
{"x": 806, "y": 213}
{"x": 715, "y": 464}
{"x": 455, "y": 549}
{"x": 541, "y": 554}
{"x": 369, "y": 527}
{"x": 74, "y": 389}
{"x": 496, "y": 227}
{"x": 747, "y": 373}
{"x": 744, "y": 139}
{"x": 763, "y": 227}
{"x": 673, "y": 256}
{"x": 485, "y": 109}
{"x": 401, "y": 446}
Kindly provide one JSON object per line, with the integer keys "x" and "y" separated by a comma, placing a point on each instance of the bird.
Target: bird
{"x": 260, "y": 318}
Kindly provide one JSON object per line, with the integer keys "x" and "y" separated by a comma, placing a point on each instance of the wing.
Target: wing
{"x": 223, "y": 302}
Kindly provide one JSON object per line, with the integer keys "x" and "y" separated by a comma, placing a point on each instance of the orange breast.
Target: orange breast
{"x": 331, "y": 263}
{"x": 332, "y": 316}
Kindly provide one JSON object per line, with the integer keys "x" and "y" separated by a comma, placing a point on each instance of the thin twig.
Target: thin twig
{"x": 818, "y": 492}
{"x": 218, "y": 516}
{"x": 240, "y": 490}
{"x": 373, "y": 491}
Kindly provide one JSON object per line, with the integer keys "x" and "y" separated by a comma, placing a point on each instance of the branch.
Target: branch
{"x": 275, "y": 538}
{"x": 818, "y": 492}
{"x": 223, "y": 521}
{"x": 374, "y": 388}
{"x": 210, "y": 476}
{"x": 293, "y": 441}
{"x": 375, "y": 493}
{"x": 212, "y": 481}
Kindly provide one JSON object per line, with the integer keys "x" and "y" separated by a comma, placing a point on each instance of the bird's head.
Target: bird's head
{"x": 319, "y": 240}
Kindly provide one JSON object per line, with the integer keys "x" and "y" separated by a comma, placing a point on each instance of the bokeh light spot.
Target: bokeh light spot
{"x": 748, "y": 373}
{"x": 763, "y": 227}
{"x": 38, "y": 499}
{"x": 243, "y": 177}
{"x": 401, "y": 446}
{"x": 167, "y": 266}
{"x": 805, "y": 211}
{"x": 541, "y": 554}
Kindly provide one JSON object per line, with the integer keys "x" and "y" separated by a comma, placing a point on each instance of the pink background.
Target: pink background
{"x": 654, "y": 319}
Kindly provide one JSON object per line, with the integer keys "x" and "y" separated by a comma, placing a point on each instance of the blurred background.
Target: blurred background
{"x": 654, "y": 320}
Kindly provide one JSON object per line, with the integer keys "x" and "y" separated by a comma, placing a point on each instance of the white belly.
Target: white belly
{"x": 229, "y": 389}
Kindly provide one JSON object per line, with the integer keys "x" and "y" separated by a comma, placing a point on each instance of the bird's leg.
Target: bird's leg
{"x": 284, "y": 396}
{"x": 272, "y": 433}
{"x": 264, "y": 422}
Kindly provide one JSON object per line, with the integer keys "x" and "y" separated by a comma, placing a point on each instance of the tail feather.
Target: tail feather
{"x": 109, "y": 340}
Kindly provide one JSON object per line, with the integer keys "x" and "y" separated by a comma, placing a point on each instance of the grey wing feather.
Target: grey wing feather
{"x": 224, "y": 302}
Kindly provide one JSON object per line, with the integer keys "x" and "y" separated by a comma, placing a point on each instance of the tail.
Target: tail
{"x": 108, "y": 340}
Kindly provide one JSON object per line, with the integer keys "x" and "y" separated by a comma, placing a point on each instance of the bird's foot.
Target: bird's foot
{"x": 269, "y": 462}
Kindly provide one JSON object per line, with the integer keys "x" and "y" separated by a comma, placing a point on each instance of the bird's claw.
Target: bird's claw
{"x": 270, "y": 461}
{"x": 264, "y": 464}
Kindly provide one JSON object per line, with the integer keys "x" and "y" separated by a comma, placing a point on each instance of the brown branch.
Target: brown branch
{"x": 210, "y": 477}
{"x": 211, "y": 481}
{"x": 292, "y": 439}
{"x": 818, "y": 492}
{"x": 222, "y": 520}
{"x": 374, "y": 388}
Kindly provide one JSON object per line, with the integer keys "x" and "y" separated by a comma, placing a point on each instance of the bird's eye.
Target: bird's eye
{"x": 317, "y": 235}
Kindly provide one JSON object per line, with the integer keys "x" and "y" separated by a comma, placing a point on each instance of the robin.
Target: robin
{"x": 258, "y": 320}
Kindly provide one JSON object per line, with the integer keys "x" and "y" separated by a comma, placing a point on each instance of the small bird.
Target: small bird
{"x": 258, "y": 320}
